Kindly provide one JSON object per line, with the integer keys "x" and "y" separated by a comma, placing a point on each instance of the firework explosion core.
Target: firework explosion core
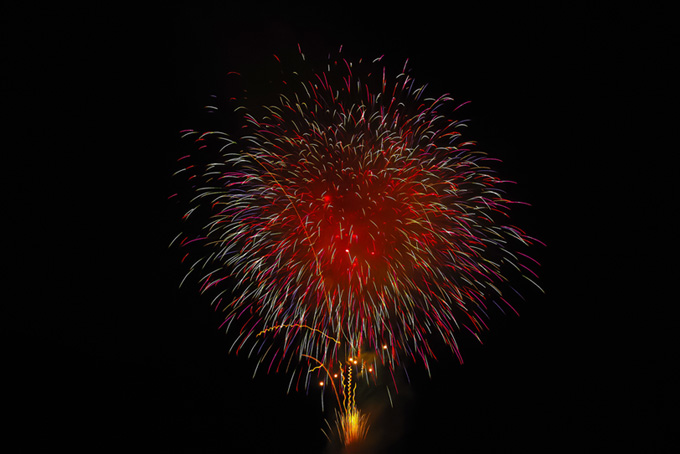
{"x": 357, "y": 223}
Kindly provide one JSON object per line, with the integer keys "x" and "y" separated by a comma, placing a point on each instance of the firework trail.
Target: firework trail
{"x": 354, "y": 219}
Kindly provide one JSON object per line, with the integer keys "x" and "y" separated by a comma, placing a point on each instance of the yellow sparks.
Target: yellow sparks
{"x": 297, "y": 325}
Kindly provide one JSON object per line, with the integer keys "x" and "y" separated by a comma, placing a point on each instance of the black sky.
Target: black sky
{"x": 106, "y": 353}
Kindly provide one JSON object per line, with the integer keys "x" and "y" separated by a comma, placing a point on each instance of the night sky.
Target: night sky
{"x": 106, "y": 353}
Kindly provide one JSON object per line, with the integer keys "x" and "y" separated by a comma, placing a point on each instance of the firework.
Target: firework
{"x": 354, "y": 220}
{"x": 352, "y": 425}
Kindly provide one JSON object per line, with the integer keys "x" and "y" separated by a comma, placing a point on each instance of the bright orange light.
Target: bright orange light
{"x": 320, "y": 383}
{"x": 353, "y": 425}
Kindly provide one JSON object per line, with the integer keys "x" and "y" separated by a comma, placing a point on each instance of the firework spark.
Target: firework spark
{"x": 351, "y": 423}
{"x": 353, "y": 219}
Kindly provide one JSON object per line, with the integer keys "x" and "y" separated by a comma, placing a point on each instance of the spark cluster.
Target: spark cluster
{"x": 349, "y": 217}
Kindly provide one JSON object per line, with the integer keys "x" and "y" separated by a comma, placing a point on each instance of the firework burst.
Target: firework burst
{"x": 354, "y": 219}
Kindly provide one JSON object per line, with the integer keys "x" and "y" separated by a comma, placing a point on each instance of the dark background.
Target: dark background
{"x": 104, "y": 353}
